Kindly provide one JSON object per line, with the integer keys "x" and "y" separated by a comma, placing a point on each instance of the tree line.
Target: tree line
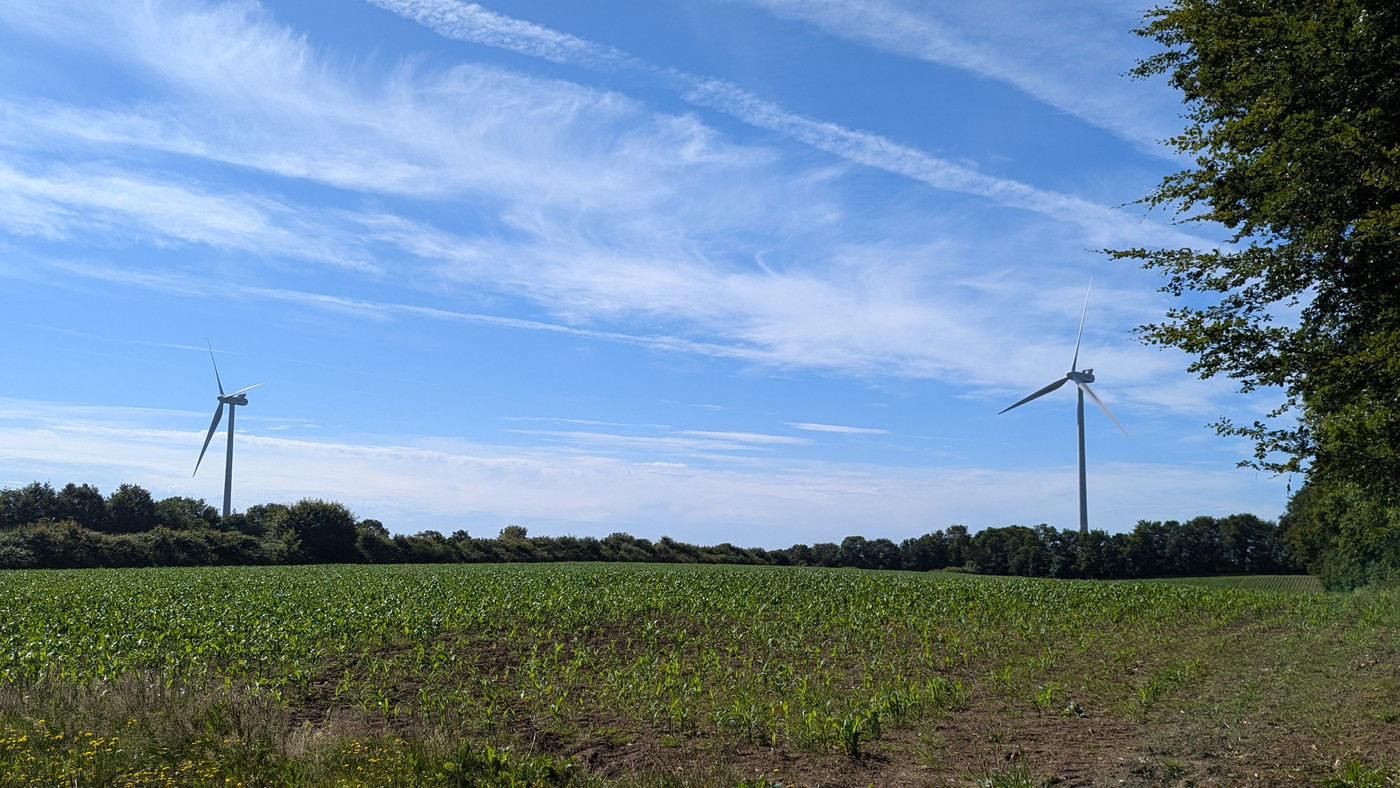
{"x": 78, "y": 527}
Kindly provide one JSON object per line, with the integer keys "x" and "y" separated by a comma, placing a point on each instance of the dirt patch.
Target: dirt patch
{"x": 1251, "y": 706}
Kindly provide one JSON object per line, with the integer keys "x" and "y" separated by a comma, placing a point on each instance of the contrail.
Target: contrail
{"x": 472, "y": 23}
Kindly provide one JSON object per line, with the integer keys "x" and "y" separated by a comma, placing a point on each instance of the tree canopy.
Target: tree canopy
{"x": 1293, "y": 124}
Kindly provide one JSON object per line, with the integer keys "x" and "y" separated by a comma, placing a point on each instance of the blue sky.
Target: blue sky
{"x": 759, "y": 271}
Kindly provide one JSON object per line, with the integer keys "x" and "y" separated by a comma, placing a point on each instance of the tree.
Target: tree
{"x": 800, "y": 555}
{"x": 325, "y": 529}
{"x": 1013, "y": 550}
{"x": 82, "y": 504}
{"x": 374, "y": 543}
{"x": 573, "y": 548}
{"x": 1062, "y": 550}
{"x": 1195, "y": 547}
{"x": 1249, "y": 545}
{"x": 429, "y": 547}
{"x": 958, "y": 545}
{"x": 1367, "y": 547}
{"x": 29, "y": 504}
{"x": 854, "y": 550}
{"x": 517, "y": 532}
{"x": 923, "y": 553}
{"x": 1294, "y": 127}
{"x": 882, "y": 553}
{"x": 514, "y": 545}
{"x": 1347, "y": 539}
{"x": 264, "y": 519}
{"x": 130, "y": 510}
{"x": 1102, "y": 555}
{"x": 825, "y": 554}
{"x": 1307, "y": 537}
{"x": 185, "y": 514}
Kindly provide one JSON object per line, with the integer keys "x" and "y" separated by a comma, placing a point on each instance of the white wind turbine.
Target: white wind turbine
{"x": 1082, "y": 379}
{"x": 232, "y": 401}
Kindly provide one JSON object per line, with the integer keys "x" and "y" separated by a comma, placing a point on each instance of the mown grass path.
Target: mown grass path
{"x": 636, "y": 674}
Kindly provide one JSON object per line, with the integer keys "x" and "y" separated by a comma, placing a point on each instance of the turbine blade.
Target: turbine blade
{"x": 1062, "y": 381}
{"x": 1099, "y": 402}
{"x": 214, "y": 425}
{"x": 1074, "y": 365}
{"x": 216, "y": 370}
{"x": 250, "y": 388}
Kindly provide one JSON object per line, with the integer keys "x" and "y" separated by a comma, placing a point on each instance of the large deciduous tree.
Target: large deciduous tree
{"x": 1293, "y": 124}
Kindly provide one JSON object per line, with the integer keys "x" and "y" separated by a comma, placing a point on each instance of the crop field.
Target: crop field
{"x": 612, "y": 674}
{"x": 1299, "y": 584}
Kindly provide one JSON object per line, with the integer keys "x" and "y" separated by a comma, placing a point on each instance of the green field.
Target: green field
{"x": 594, "y": 674}
{"x": 1298, "y": 584}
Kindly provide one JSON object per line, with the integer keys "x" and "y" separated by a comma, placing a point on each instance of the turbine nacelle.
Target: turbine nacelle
{"x": 236, "y": 398}
{"x": 1081, "y": 376}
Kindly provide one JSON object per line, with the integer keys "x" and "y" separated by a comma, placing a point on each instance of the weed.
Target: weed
{"x": 1355, "y": 775}
{"x": 1017, "y": 776}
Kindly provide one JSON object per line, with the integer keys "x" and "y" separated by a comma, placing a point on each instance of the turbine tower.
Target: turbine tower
{"x": 232, "y": 401}
{"x": 1082, "y": 379}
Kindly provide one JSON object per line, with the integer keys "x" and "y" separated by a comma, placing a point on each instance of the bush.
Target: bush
{"x": 15, "y": 552}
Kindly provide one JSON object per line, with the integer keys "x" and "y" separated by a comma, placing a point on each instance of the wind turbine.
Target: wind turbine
{"x": 1082, "y": 379}
{"x": 232, "y": 401}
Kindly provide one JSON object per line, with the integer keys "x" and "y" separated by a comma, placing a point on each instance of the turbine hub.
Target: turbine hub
{"x": 1082, "y": 376}
{"x": 238, "y": 400}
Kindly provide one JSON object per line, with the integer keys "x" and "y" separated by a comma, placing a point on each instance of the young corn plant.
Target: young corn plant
{"x": 1044, "y": 698}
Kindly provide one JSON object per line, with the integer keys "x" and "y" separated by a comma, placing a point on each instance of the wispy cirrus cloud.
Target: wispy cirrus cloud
{"x": 707, "y": 447}
{"x": 1144, "y": 379}
{"x": 837, "y": 428}
{"x": 747, "y": 438}
{"x": 1055, "y": 52}
{"x": 61, "y": 202}
{"x": 470, "y": 22}
{"x": 623, "y": 223}
{"x": 1103, "y": 225}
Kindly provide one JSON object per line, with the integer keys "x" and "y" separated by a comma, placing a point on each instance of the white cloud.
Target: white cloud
{"x": 1101, "y": 224}
{"x": 469, "y": 22}
{"x": 747, "y": 438}
{"x": 1071, "y": 55}
{"x": 837, "y": 428}
{"x": 623, "y": 224}
{"x": 691, "y": 444}
{"x": 63, "y": 202}
{"x": 847, "y": 330}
